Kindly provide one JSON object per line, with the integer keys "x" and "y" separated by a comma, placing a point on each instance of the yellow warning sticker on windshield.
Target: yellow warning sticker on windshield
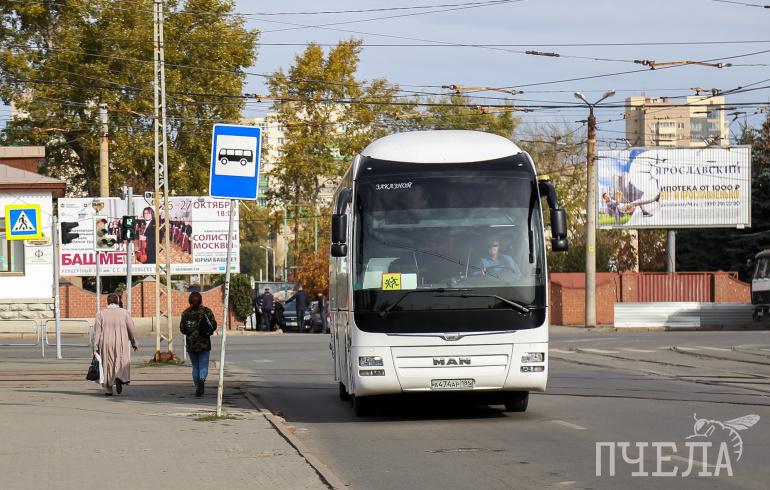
{"x": 391, "y": 282}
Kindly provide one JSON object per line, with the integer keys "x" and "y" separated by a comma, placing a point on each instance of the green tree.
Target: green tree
{"x": 61, "y": 59}
{"x": 697, "y": 249}
{"x": 322, "y": 131}
{"x": 456, "y": 111}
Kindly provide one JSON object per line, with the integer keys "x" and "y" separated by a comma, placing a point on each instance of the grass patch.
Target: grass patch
{"x": 152, "y": 363}
{"x": 214, "y": 418}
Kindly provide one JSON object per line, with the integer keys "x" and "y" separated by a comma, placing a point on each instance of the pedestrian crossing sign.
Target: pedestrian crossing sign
{"x": 22, "y": 222}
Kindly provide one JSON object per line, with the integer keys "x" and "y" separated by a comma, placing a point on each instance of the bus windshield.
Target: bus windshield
{"x": 463, "y": 240}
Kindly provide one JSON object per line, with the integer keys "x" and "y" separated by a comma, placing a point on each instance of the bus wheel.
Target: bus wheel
{"x": 243, "y": 162}
{"x": 344, "y": 395}
{"x": 223, "y": 161}
{"x": 363, "y": 406}
{"x": 517, "y": 401}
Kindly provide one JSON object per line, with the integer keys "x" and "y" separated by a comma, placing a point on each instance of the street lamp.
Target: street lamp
{"x": 267, "y": 262}
{"x": 590, "y": 281}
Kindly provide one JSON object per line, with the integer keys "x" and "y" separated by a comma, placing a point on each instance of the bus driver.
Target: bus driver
{"x": 495, "y": 261}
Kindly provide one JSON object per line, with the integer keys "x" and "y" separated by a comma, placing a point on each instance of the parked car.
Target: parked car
{"x": 311, "y": 322}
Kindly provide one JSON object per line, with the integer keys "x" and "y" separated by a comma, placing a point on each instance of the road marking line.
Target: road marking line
{"x": 263, "y": 360}
{"x": 601, "y": 351}
{"x": 721, "y": 349}
{"x": 569, "y": 424}
{"x": 692, "y": 349}
{"x": 644, "y": 351}
{"x": 560, "y": 351}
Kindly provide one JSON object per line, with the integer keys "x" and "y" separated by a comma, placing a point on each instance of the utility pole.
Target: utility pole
{"x": 104, "y": 152}
{"x": 671, "y": 251}
{"x": 56, "y": 299}
{"x": 161, "y": 184}
{"x": 590, "y": 281}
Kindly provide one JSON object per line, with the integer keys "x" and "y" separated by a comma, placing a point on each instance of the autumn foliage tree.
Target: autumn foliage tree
{"x": 60, "y": 59}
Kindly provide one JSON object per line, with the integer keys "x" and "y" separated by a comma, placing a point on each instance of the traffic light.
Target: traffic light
{"x": 103, "y": 240}
{"x": 128, "y": 225}
{"x": 66, "y": 231}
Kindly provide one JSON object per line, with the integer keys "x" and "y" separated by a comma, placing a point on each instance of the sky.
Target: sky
{"x": 556, "y": 26}
{"x": 536, "y": 25}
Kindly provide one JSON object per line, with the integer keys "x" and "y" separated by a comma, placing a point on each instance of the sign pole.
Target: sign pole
{"x": 221, "y": 385}
{"x": 98, "y": 284}
{"x": 56, "y": 299}
{"x": 129, "y": 249}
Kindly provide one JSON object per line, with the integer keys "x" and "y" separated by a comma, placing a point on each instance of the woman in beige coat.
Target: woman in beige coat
{"x": 114, "y": 329}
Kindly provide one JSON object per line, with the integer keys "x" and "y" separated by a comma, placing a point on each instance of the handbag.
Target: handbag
{"x": 93, "y": 370}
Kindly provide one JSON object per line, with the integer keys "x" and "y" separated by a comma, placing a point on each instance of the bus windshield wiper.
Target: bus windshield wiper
{"x": 385, "y": 311}
{"x": 523, "y": 309}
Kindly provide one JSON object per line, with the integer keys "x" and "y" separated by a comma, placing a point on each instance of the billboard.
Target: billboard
{"x": 198, "y": 236}
{"x": 674, "y": 187}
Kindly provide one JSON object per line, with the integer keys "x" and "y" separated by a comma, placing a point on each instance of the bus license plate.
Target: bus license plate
{"x": 451, "y": 384}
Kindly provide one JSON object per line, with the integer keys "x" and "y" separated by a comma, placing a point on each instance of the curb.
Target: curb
{"x": 326, "y": 475}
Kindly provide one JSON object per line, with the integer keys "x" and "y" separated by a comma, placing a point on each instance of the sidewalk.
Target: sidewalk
{"x": 59, "y": 430}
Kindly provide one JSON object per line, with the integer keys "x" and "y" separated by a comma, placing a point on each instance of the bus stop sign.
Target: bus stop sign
{"x": 235, "y": 152}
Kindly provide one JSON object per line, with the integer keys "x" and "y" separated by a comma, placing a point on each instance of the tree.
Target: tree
{"x": 697, "y": 250}
{"x": 323, "y": 108}
{"x": 559, "y": 154}
{"x": 457, "y": 112}
{"x": 61, "y": 59}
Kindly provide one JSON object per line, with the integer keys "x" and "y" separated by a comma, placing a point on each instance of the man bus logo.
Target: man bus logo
{"x": 451, "y": 361}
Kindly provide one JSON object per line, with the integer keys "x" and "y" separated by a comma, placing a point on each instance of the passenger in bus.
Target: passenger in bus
{"x": 495, "y": 262}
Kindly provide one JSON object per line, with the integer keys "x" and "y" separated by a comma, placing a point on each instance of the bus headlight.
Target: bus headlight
{"x": 533, "y": 357}
{"x": 370, "y": 361}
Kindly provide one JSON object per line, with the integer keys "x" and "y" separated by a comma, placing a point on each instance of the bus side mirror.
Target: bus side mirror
{"x": 559, "y": 242}
{"x": 339, "y": 228}
{"x": 339, "y": 250}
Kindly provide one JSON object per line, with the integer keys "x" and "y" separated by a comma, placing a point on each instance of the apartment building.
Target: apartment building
{"x": 696, "y": 122}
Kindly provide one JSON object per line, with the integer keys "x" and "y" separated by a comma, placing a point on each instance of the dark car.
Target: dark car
{"x": 290, "y": 318}
{"x": 311, "y": 322}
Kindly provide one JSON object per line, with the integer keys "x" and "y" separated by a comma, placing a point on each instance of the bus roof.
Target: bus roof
{"x": 441, "y": 146}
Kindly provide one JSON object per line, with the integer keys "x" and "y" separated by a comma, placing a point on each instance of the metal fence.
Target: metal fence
{"x": 679, "y": 287}
{"x": 683, "y": 315}
{"x": 34, "y": 333}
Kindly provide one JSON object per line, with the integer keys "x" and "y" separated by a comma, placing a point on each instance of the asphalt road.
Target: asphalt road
{"x": 603, "y": 387}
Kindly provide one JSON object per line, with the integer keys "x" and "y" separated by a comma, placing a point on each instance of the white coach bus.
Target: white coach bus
{"x": 438, "y": 278}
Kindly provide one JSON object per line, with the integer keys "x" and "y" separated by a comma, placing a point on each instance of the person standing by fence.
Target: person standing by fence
{"x": 114, "y": 330}
{"x": 198, "y": 325}
{"x": 266, "y": 309}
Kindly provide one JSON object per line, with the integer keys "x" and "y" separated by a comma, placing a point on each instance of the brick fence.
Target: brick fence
{"x": 567, "y": 292}
{"x": 76, "y": 302}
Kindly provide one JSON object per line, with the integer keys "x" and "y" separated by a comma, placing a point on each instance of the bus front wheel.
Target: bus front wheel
{"x": 223, "y": 161}
{"x": 517, "y": 401}
{"x": 363, "y": 406}
{"x": 244, "y": 162}
{"x": 344, "y": 395}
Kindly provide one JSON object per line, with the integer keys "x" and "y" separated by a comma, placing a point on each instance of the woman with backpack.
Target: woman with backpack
{"x": 198, "y": 324}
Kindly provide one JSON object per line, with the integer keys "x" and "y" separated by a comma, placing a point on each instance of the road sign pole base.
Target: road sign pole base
{"x": 164, "y": 357}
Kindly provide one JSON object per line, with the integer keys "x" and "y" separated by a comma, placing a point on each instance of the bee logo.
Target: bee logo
{"x": 706, "y": 428}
